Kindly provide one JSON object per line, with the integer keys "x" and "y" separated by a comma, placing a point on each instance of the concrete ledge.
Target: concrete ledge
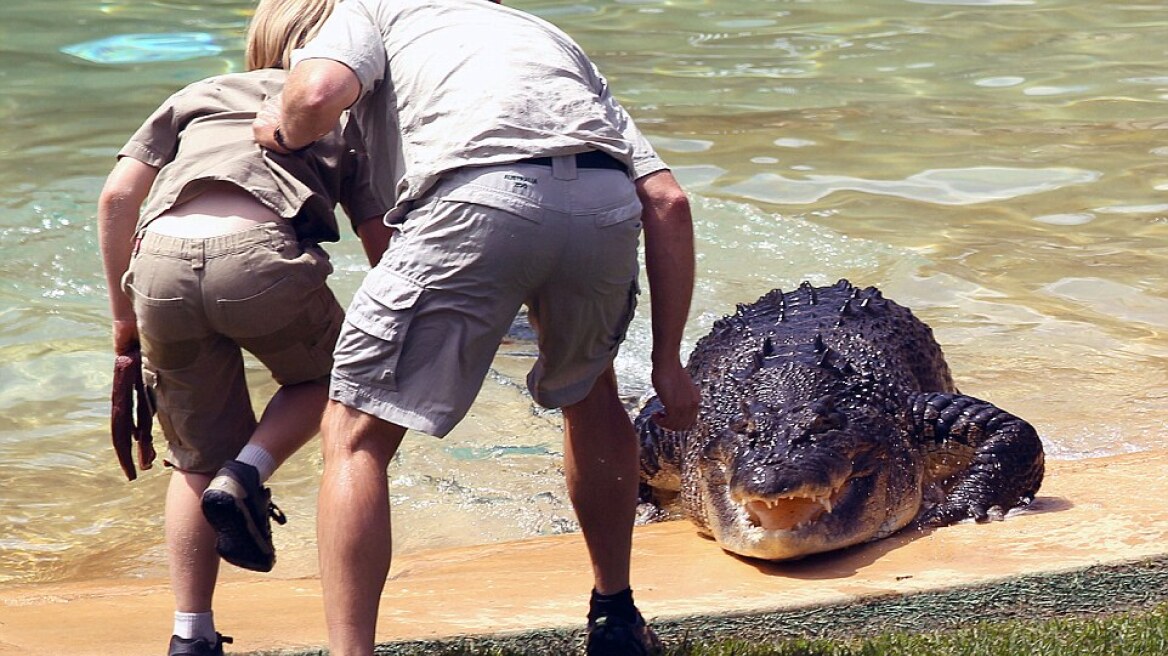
{"x": 1095, "y": 539}
{"x": 1140, "y": 585}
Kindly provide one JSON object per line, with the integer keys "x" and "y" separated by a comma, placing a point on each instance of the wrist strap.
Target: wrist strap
{"x": 279, "y": 136}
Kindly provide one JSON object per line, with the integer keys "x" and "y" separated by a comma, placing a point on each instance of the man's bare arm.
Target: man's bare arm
{"x": 316, "y": 93}
{"x": 375, "y": 236}
{"x": 669, "y": 264}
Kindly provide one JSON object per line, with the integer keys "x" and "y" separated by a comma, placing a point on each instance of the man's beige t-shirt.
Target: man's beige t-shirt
{"x": 453, "y": 83}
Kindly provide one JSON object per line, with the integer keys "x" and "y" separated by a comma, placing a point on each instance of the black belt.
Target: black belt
{"x": 592, "y": 159}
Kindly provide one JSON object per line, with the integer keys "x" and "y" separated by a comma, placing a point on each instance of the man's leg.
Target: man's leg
{"x": 601, "y": 462}
{"x": 353, "y": 524}
{"x": 601, "y": 466}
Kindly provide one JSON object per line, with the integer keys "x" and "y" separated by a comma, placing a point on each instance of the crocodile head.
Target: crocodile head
{"x": 804, "y": 467}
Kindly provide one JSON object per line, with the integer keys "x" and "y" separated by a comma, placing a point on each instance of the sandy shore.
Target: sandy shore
{"x": 1090, "y": 515}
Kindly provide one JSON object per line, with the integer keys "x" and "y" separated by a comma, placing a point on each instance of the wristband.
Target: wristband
{"x": 279, "y": 137}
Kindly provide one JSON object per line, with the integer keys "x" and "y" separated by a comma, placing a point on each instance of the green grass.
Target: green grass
{"x": 1121, "y": 634}
{"x": 1130, "y": 634}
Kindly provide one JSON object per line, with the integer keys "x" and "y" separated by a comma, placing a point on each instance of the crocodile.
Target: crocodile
{"x": 829, "y": 418}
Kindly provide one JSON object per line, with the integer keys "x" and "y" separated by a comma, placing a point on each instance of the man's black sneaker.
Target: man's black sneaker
{"x": 615, "y": 636}
{"x": 197, "y": 646}
{"x": 240, "y": 510}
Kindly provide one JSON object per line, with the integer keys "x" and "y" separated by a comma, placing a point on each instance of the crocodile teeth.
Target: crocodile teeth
{"x": 784, "y": 514}
{"x": 788, "y": 513}
{"x": 771, "y": 503}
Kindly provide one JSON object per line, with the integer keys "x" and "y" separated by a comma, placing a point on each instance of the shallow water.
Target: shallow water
{"x": 1000, "y": 166}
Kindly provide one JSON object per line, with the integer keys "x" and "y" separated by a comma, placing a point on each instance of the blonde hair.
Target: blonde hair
{"x": 279, "y": 27}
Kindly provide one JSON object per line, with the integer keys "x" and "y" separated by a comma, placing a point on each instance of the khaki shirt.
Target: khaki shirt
{"x": 454, "y": 83}
{"x": 204, "y": 133}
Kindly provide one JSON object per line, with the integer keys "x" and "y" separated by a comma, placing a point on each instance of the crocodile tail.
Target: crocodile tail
{"x": 1004, "y": 465}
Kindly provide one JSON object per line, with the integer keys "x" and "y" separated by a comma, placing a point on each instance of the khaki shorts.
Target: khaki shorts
{"x": 199, "y": 302}
{"x": 423, "y": 328}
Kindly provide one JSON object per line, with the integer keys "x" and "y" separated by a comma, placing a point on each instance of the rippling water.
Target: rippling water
{"x": 1000, "y": 166}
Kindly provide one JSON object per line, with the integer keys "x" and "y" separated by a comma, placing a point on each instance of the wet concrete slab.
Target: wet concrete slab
{"x": 1089, "y": 513}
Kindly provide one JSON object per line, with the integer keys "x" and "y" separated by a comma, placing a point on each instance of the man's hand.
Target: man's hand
{"x": 669, "y": 264}
{"x": 315, "y": 95}
{"x": 265, "y": 124}
{"x": 375, "y": 237}
{"x": 679, "y": 396}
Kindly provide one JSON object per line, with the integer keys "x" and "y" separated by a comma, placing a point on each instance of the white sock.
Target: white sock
{"x": 258, "y": 457}
{"x": 195, "y": 625}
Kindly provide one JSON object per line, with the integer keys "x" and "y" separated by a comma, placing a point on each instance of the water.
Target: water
{"x": 1000, "y": 166}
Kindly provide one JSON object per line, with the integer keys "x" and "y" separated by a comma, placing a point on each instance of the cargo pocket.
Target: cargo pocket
{"x": 149, "y": 386}
{"x": 160, "y": 403}
{"x": 630, "y": 311}
{"x": 381, "y": 315}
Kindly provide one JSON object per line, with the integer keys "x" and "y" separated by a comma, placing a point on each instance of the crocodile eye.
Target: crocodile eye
{"x": 827, "y": 421}
{"x": 743, "y": 425}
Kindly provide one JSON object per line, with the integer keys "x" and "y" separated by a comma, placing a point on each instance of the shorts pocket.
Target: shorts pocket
{"x": 163, "y": 319}
{"x": 473, "y": 194}
{"x": 381, "y": 314}
{"x": 265, "y": 312}
{"x": 138, "y": 295}
{"x": 283, "y": 292}
{"x": 629, "y": 210}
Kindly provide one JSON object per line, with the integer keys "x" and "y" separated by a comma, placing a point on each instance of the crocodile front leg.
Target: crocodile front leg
{"x": 661, "y": 451}
{"x": 1004, "y": 467}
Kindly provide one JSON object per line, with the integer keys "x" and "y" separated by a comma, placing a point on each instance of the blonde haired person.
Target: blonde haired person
{"x": 224, "y": 257}
{"x": 278, "y": 28}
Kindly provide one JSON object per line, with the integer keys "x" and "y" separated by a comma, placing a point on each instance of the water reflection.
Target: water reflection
{"x": 996, "y": 165}
{"x": 938, "y": 186}
{"x": 145, "y": 48}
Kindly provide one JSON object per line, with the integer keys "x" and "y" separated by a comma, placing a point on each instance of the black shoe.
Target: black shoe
{"x": 240, "y": 510}
{"x": 615, "y": 636}
{"x": 197, "y": 646}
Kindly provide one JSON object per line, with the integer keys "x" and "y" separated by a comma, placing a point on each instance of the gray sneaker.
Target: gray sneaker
{"x": 240, "y": 510}
{"x": 197, "y": 646}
